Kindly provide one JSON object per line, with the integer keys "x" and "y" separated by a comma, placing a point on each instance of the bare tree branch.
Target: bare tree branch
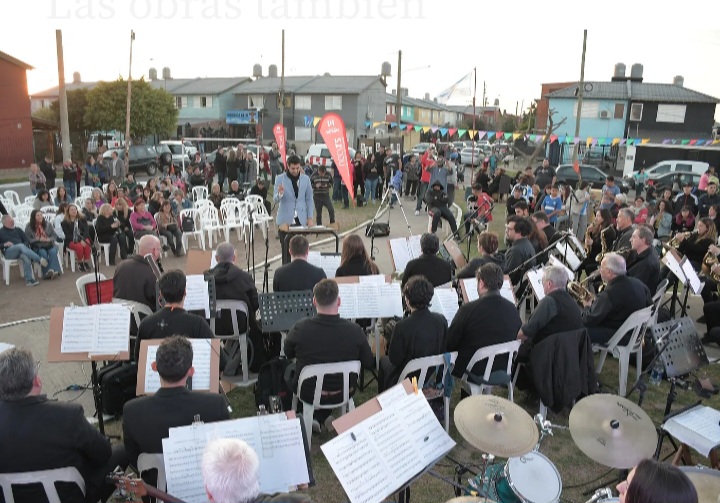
{"x": 552, "y": 127}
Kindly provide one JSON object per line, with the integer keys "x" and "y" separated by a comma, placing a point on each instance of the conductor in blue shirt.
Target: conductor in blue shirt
{"x": 294, "y": 196}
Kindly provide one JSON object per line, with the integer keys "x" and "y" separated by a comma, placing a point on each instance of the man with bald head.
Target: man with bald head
{"x": 134, "y": 279}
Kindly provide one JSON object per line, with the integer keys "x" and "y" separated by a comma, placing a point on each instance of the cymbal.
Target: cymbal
{"x": 470, "y": 499}
{"x": 612, "y": 430}
{"x": 706, "y": 482}
{"x": 496, "y": 426}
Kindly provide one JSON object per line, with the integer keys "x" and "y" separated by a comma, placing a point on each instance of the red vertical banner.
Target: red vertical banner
{"x": 332, "y": 129}
{"x": 279, "y": 132}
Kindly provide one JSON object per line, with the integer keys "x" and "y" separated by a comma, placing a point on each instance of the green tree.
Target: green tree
{"x": 46, "y": 114}
{"x": 152, "y": 111}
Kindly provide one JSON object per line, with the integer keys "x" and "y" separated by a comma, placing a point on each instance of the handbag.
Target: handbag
{"x": 377, "y": 229}
{"x": 44, "y": 244}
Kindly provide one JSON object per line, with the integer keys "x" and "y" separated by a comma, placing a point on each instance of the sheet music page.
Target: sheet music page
{"x": 414, "y": 246}
{"x": 329, "y": 262}
{"x": 389, "y": 397}
{"x": 315, "y": 259}
{"x": 348, "y": 300}
{"x": 182, "y": 458}
{"x": 390, "y": 299}
{"x": 695, "y": 284}
{"x": 507, "y": 291}
{"x": 80, "y": 326}
{"x": 471, "y": 289}
{"x": 213, "y": 260}
{"x": 4, "y": 346}
{"x": 400, "y": 253}
{"x": 282, "y": 455}
{"x": 368, "y": 303}
{"x": 202, "y": 352}
{"x": 113, "y": 334}
{"x": 445, "y": 302}
{"x": 569, "y": 254}
{"x": 373, "y": 278}
{"x": 197, "y": 297}
{"x": 535, "y": 277}
{"x": 359, "y": 466}
{"x": 697, "y": 427}
{"x": 674, "y": 266}
{"x": 152, "y": 378}
{"x": 556, "y": 261}
{"x": 430, "y": 439}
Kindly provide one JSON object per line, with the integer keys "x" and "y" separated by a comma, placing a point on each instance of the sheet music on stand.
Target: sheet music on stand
{"x": 554, "y": 261}
{"x": 328, "y": 262}
{"x": 388, "y": 448}
{"x": 535, "y": 278}
{"x": 672, "y": 261}
{"x": 276, "y": 439}
{"x": 202, "y": 362}
{"x": 445, "y": 302}
{"x": 197, "y": 296}
{"x": 100, "y": 329}
{"x": 568, "y": 253}
{"x": 403, "y": 250}
{"x": 469, "y": 287}
{"x": 691, "y": 276}
{"x": 370, "y": 300}
{"x": 697, "y": 427}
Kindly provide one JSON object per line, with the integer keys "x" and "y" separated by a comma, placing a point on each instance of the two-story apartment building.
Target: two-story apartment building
{"x": 16, "y": 138}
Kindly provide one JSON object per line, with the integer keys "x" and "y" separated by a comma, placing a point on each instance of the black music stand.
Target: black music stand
{"x": 303, "y": 231}
{"x": 279, "y": 311}
{"x": 684, "y": 355}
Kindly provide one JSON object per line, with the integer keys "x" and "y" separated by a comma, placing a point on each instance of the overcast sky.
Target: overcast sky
{"x": 515, "y": 46}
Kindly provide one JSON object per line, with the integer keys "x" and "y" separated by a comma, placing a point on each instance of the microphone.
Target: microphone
{"x": 604, "y": 493}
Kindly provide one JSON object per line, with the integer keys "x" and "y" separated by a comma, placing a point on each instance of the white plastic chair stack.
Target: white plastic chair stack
{"x": 198, "y": 233}
{"x": 210, "y": 221}
{"x": 260, "y": 216}
{"x": 13, "y": 196}
{"x": 199, "y": 193}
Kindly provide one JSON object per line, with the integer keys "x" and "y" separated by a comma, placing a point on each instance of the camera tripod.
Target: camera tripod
{"x": 389, "y": 193}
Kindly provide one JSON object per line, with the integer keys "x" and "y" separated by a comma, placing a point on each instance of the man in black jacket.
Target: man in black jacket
{"x": 517, "y": 230}
{"x": 435, "y": 269}
{"x": 489, "y": 320}
{"x": 48, "y": 169}
{"x": 709, "y": 199}
{"x": 621, "y": 297}
{"x": 40, "y": 434}
{"x": 15, "y": 245}
{"x": 326, "y": 338}
{"x": 646, "y": 264}
{"x": 437, "y": 202}
{"x": 220, "y": 164}
{"x": 147, "y": 420}
{"x": 624, "y": 225}
{"x": 134, "y": 279}
{"x": 298, "y": 274}
{"x": 172, "y": 319}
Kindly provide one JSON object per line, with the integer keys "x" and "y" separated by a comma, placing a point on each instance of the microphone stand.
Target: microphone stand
{"x": 97, "y": 390}
{"x": 251, "y": 237}
{"x": 473, "y": 228}
{"x": 266, "y": 269}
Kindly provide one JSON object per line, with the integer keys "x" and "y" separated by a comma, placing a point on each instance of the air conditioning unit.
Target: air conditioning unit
{"x": 604, "y": 114}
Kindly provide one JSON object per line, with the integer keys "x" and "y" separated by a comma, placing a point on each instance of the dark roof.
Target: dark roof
{"x": 15, "y": 61}
{"x": 636, "y": 91}
{"x": 212, "y": 86}
{"x": 318, "y": 84}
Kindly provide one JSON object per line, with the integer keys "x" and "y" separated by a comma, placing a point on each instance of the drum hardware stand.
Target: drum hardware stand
{"x": 386, "y": 199}
{"x": 546, "y": 429}
{"x": 266, "y": 267}
{"x": 251, "y": 239}
{"x": 622, "y": 475}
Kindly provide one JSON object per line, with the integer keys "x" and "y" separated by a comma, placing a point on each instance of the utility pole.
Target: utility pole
{"x": 398, "y": 103}
{"x": 484, "y": 99}
{"x": 282, "y": 83}
{"x": 64, "y": 123}
{"x": 581, "y": 89}
{"x": 127, "y": 108}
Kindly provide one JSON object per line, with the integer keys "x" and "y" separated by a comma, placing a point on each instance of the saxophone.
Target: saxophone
{"x": 710, "y": 261}
{"x": 579, "y": 290}
{"x": 603, "y": 245}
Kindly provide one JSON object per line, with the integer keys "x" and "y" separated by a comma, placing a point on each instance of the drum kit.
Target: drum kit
{"x": 608, "y": 429}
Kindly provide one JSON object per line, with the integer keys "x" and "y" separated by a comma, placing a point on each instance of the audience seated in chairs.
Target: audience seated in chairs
{"x": 107, "y": 227}
{"x": 326, "y": 338}
{"x": 142, "y": 221}
{"x": 16, "y": 246}
{"x": 37, "y": 433}
{"x": 42, "y": 238}
{"x": 77, "y": 237}
{"x": 230, "y": 472}
{"x": 423, "y": 333}
{"x": 147, "y": 420}
{"x": 168, "y": 228}
{"x": 123, "y": 212}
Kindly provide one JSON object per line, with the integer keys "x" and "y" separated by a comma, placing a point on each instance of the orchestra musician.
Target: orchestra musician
{"x": 652, "y": 481}
{"x": 599, "y": 238}
{"x": 487, "y": 248}
{"x": 693, "y": 245}
{"x": 646, "y": 263}
{"x": 624, "y": 229}
{"x": 517, "y": 230}
{"x": 479, "y": 208}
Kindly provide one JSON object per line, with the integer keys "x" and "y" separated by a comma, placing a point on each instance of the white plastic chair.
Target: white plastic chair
{"x": 319, "y": 371}
{"x": 636, "y": 324}
{"x": 235, "y": 306}
{"x": 29, "y": 200}
{"x": 53, "y": 193}
{"x": 147, "y": 462}
{"x": 230, "y": 217}
{"x": 84, "y": 280}
{"x": 49, "y": 217}
{"x": 198, "y": 233}
{"x": 489, "y": 353}
{"x": 260, "y": 216}
{"x": 657, "y": 301}
{"x": 23, "y": 212}
{"x": 199, "y": 193}
{"x": 7, "y": 264}
{"x": 13, "y": 196}
{"x": 423, "y": 365}
{"x": 86, "y": 192}
{"x": 80, "y": 202}
{"x": 49, "y": 209}
{"x": 71, "y": 258}
{"x": 47, "y": 478}
{"x": 138, "y": 310}
{"x": 210, "y": 221}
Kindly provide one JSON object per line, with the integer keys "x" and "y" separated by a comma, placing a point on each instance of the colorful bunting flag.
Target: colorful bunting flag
{"x": 426, "y": 129}
{"x": 684, "y": 142}
{"x": 499, "y": 135}
{"x": 434, "y": 129}
{"x": 490, "y": 135}
{"x": 316, "y": 120}
{"x": 393, "y": 124}
{"x": 368, "y": 124}
{"x": 452, "y": 131}
{"x": 471, "y": 133}
{"x": 532, "y": 137}
{"x": 693, "y": 142}
{"x": 515, "y": 136}
{"x": 590, "y": 141}
{"x": 461, "y": 132}
{"x": 616, "y": 141}
{"x": 376, "y": 124}
{"x": 644, "y": 141}
{"x": 568, "y": 139}
{"x": 594, "y": 142}
{"x": 700, "y": 142}
{"x": 409, "y": 127}
{"x": 553, "y": 138}
{"x": 443, "y": 131}
{"x": 481, "y": 135}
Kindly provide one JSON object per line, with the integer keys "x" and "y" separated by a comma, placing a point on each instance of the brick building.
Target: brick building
{"x": 16, "y": 136}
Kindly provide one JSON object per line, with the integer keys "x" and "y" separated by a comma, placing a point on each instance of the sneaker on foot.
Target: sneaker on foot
{"x": 328, "y": 424}
{"x": 55, "y": 274}
{"x": 417, "y": 213}
{"x": 32, "y": 282}
{"x": 48, "y": 275}
{"x": 43, "y": 262}
{"x": 315, "y": 426}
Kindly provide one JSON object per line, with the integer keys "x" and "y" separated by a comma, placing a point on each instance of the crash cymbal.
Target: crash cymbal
{"x": 706, "y": 482}
{"x": 470, "y": 499}
{"x": 496, "y": 426}
{"x": 612, "y": 430}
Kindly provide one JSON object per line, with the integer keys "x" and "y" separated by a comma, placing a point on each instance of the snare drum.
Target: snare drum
{"x": 533, "y": 478}
{"x": 706, "y": 482}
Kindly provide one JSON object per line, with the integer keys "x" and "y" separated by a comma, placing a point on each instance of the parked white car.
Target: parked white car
{"x": 176, "y": 147}
{"x": 467, "y": 157}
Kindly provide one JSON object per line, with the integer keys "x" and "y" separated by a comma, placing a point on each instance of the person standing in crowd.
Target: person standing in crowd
{"x": 48, "y": 169}
{"x": 426, "y": 161}
{"x": 321, "y": 182}
{"x": 221, "y": 166}
{"x": 581, "y": 208}
{"x": 412, "y": 171}
{"x": 371, "y": 176}
{"x": 479, "y": 208}
{"x": 380, "y": 167}
{"x": 299, "y": 274}
{"x": 37, "y": 179}
{"x": 428, "y": 264}
{"x": 117, "y": 171}
{"x": 552, "y": 205}
{"x": 687, "y": 199}
{"x": 69, "y": 178}
{"x": 421, "y": 334}
{"x": 274, "y": 161}
{"x": 358, "y": 176}
{"x": 609, "y": 191}
{"x": 641, "y": 179}
{"x": 709, "y": 199}
{"x": 545, "y": 174}
{"x": 491, "y": 319}
{"x": 326, "y": 338}
{"x": 294, "y": 197}
{"x": 232, "y": 165}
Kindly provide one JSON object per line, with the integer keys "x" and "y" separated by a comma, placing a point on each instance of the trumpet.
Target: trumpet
{"x": 675, "y": 241}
